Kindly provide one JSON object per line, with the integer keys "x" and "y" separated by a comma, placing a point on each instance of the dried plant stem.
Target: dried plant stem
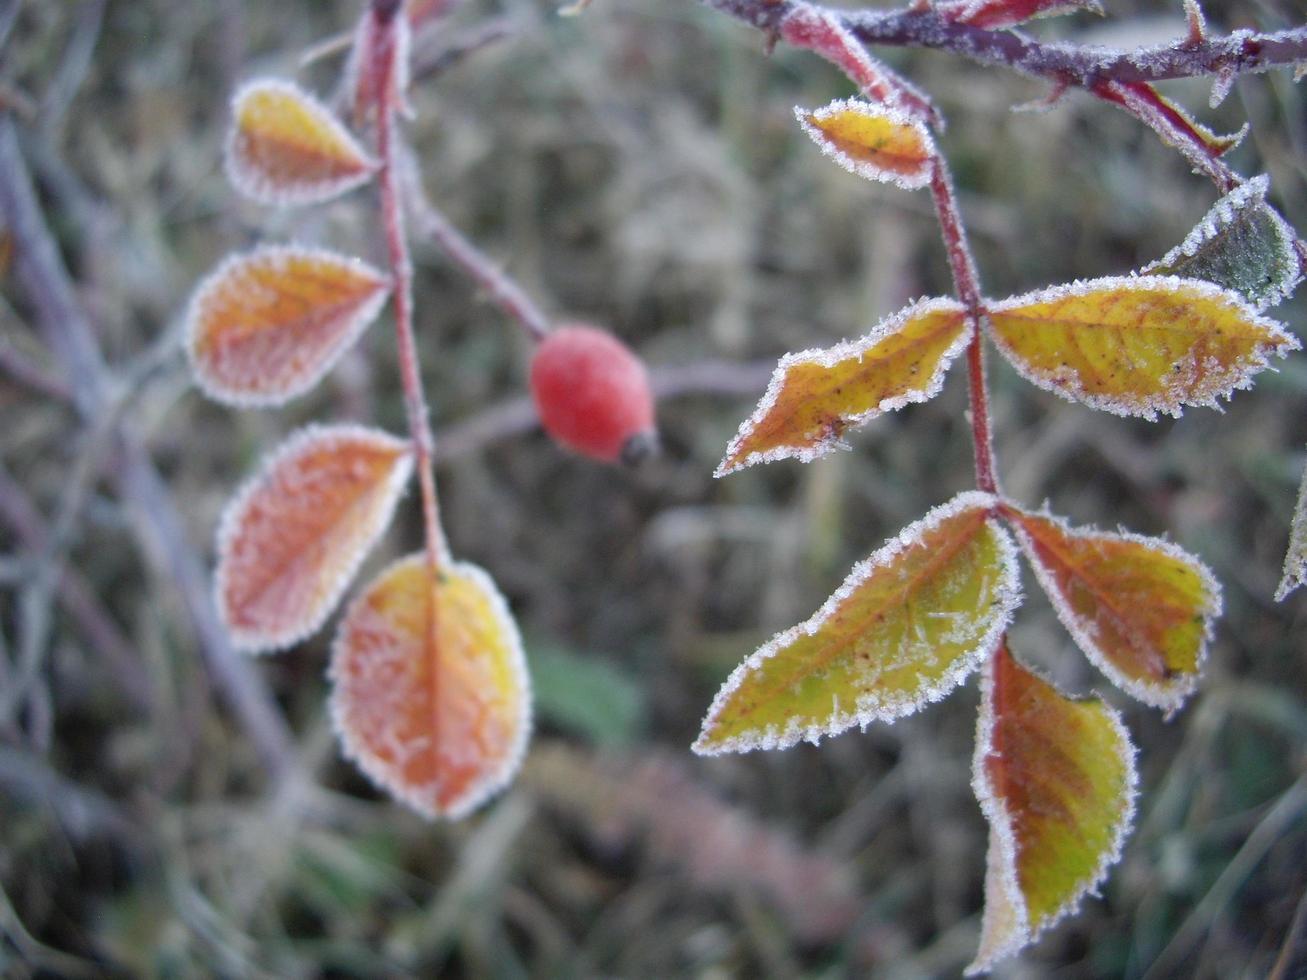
{"x": 967, "y": 283}
{"x": 385, "y": 68}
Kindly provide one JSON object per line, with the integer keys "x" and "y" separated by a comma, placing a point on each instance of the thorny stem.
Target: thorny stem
{"x": 385, "y": 67}
{"x": 967, "y": 283}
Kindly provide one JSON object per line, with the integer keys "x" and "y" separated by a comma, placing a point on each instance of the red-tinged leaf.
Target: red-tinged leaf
{"x": 1295, "y": 559}
{"x": 431, "y": 695}
{"x": 1183, "y": 127}
{"x": 817, "y": 395}
{"x": 1056, "y": 779}
{"x": 266, "y": 326}
{"x": 286, "y": 147}
{"x": 1140, "y": 608}
{"x": 1137, "y": 345}
{"x": 294, "y": 536}
{"x": 995, "y": 14}
{"x": 876, "y": 142}
{"x": 905, "y": 628}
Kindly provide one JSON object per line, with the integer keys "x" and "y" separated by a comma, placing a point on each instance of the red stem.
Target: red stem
{"x": 384, "y": 57}
{"x": 967, "y": 283}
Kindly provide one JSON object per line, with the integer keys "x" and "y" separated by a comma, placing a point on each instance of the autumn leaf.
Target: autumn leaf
{"x": 286, "y": 147}
{"x": 1140, "y": 608}
{"x": 995, "y": 14}
{"x": 1055, "y": 777}
{"x": 266, "y": 326}
{"x": 906, "y": 627}
{"x": 1295, "y": 559}
{"x": 1137, "y": 345}
{"x": 816, "y": 395}
{"x": 876, "y": 142}
{"x": 1241, "y": 244}
{"x": 293, "y": 537}
{"x": 431, "y": 696}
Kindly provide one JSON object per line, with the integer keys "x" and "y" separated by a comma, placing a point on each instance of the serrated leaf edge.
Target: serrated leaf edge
{"x": 898, "y": 117}
{"x": 255, "y": 186}
{"x": 1169, "y": 698}
{"x": 229, "y": 523}
{"x": 865, "y": 713}
{"x": 1279, "y": 339}
{"x": 829, "y": 357}
{"x": 1000, "y": 821}
{"x": 484, "y": 789}
{"x": 368, "y": 310}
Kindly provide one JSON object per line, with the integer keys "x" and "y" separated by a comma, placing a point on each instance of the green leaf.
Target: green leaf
{"x": 586, "y": 696}
{"x": 1242, "y": 244}
{"x": 1295, "y": 560}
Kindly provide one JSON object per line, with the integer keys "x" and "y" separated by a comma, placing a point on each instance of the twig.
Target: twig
{"x": 70, "y": 335}
{"x": 76, "y": 62}
{"x": 430, "y": 61}
{"x": 28, "y": 373}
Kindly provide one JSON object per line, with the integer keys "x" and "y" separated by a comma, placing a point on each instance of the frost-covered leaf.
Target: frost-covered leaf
{"x": 266, "y": 326}
{"x": 293, "y": 537}
{"x": 1056, "y": 779}
{"x": 1182, "y": 124}
{"x": 876, "y": 142}
{"x": 1242, "y": 244}
{"x": 431, "y": 695}
{"x": 906, "y": 627}
{"x": 816, "y": 395}
{"x": 1140, "y": 608}
{"x": 1295, "y": 559}
{"x": 1137, "y": 345}
{"x": 995, "y": 14}
{"x": 286, "y": 147}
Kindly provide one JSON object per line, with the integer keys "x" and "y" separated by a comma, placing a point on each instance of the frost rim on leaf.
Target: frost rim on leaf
{"x": 1002, "y": 846}
{"x": 1280, "y": 341}
{"x": 375, "y": 770}
{"x": 829, "y": 357}
{"x": 1169, "y": 698}
{"x": 255, "y": 185}
{"x": 310, "y": 436}
{"x": 366, "y": 312}
{"x": 869, "y": 171}
{"x": 1008, "y": 591}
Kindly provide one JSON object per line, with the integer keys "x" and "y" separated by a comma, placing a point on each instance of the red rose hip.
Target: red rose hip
{"x": 593, "y": 394}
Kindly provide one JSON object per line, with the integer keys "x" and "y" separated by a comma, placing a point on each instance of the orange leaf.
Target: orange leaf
{"x": 816, "y": 395}
{"x": 286, "y": 147}
{"x": 1137, "y": 345}
{"x": 876, "y": 142}
{"x": 1056, "y": 780}
{"x": 268, "y": 325}
{"x": 1140, "y": 608}
{"x": 432, "y": 697}
{"x": 292, "y": 539}
{"x": 906, "y": 627}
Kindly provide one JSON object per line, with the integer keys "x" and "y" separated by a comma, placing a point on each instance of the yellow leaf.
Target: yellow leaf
{"x": 1056, "y": 780}
{"x": 431, "y": 695}
{"x": 876, "y": 142}
{"x": 1137, "y": 345}
{"x": 292, "y": 539}
{"x": 816, "y": 395}
{"x": 266, "y": 326}
{"x": 286, "y": 147}
{"x": 1140, "y": 608}
{"x": 906, "y": 627}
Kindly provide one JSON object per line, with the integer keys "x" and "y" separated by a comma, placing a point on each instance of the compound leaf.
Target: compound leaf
{"x": 1137, "y": 345}
{"x": 431, "y": 695}
{"x": 1140, "y": 608}
{"x": 293, "y": 537}
{"x": 286, "y": 147}
{"x": 1056, "y": 779}
{"x": 266, "y": 326}
{"x": 1241, "y": 244}
{"x": 876, "y": 142}
{"x": 906, "y": 627}
{"x": 816, "y": 395}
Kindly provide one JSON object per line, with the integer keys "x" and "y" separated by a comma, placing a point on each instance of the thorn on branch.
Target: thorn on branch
{"x": 1197, "y": 36}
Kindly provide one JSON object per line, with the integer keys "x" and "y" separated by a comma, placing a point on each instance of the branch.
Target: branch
{"x": 1062, "y": 63}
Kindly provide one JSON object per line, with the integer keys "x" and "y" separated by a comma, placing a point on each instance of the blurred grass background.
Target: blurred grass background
{"x": 637, "y": 167}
